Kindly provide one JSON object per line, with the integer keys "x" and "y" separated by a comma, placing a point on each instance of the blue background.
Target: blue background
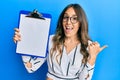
{"x": 104, "y": 21}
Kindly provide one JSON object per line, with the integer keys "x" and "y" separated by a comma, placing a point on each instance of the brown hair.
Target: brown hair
{"x": 83, "y": 37}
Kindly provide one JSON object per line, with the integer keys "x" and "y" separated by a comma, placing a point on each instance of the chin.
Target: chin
{"x": 68, "y": 35}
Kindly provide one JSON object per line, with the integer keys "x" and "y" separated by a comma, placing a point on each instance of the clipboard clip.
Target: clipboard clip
{"x": 36, "y": 14}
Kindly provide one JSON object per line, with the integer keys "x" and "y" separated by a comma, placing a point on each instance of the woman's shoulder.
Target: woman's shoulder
{"x": 51, "y": 36}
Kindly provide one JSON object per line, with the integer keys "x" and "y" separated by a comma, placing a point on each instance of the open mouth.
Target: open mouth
{"x": 68, "y": 29}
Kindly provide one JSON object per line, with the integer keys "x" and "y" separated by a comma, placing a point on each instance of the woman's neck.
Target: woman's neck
{"x": 70, "y": 43}
{"x": 71, "y": 39}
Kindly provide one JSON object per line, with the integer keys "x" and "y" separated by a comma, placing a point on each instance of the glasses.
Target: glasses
{"x": 73, "y": 19}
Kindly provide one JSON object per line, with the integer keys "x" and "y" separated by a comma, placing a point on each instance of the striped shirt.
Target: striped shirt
{"x": 64, "y": 67}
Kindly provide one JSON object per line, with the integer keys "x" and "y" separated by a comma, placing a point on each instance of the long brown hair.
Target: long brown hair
{"x": 83, "y": 37}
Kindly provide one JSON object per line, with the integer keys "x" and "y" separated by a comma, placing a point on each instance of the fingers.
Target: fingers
{"x": 94, "y": 44}
{"x": 97, "y": 45}
{"x": 14, "y": 40}
{"x": 94, "y": 48}
{"x": 17, "y": 36}
{"x": 16, "y": 30}
{"x": 103, "y": 47}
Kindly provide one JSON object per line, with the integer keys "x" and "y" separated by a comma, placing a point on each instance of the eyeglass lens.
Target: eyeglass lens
{"x": 73, "y": 19}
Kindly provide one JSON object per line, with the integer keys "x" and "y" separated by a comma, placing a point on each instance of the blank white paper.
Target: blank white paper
{"x": 34, "y": 36}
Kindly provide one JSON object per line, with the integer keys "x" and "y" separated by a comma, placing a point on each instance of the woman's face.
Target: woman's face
{"x": 70, "y": 23}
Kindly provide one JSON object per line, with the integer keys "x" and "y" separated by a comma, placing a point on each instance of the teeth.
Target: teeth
{"x": 68, "y": 28}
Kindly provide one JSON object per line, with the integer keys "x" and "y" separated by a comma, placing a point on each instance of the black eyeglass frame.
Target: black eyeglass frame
{"x": 73, "y": 19}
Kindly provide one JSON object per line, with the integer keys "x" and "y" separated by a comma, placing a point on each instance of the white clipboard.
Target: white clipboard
{"x": 34, "y": 32}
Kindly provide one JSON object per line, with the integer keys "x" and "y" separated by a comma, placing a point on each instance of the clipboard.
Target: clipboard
{"x": 34, "y": 29}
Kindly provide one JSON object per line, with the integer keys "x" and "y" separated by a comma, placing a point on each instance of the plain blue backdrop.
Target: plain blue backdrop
{"x": 104, "y": 22}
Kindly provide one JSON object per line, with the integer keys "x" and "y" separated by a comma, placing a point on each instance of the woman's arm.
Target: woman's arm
{"x": 32, "y": 63}
{"x": 93, "y": 50}
{"x": 87, "y": 72}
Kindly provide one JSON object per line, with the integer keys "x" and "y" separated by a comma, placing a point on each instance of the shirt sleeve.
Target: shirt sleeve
{"x": 87, "y": 72}
{"x": 35, "y": 61}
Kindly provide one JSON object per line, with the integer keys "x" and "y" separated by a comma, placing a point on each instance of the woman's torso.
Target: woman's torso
{"x": 64, "y": 66}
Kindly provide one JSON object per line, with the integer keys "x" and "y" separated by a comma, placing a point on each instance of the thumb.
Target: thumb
{"x": 103, "y": 47}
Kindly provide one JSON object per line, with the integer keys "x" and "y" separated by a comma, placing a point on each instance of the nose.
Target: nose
{"x": 69, "y": 21}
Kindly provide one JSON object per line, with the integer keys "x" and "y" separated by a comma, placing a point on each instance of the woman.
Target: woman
{"x": 71, "y": 55}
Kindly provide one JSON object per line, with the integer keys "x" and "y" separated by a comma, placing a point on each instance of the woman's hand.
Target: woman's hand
{"x": 94, "y": 49}
{"x": 28, "y": 65}
{"x": 17, "y": 36}
{"x": 49, "y": 78}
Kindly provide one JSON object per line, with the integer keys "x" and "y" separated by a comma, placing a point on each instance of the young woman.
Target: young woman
{"x": 71, "y": 53}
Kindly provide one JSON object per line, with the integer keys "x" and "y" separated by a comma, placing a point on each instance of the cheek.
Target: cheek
{"x": 77, "y": 27}
{"x": 63, "y": 23}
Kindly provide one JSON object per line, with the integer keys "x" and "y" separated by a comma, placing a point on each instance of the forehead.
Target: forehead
{"x": 70, "y": 12}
